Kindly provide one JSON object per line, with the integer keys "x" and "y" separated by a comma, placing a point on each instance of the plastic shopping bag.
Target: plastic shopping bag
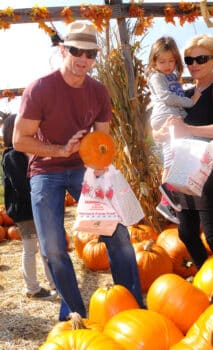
{"x": 94, "y": 210}
{"x": 123, "y": 200}
{"x": 106, "y": 201}
{"x": 192, "y": 165}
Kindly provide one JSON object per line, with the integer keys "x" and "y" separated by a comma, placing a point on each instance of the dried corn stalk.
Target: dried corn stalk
{"x": 136, "y": 156}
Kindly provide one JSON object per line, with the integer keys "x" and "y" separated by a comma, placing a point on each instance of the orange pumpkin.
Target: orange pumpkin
{"x": 152, "y": 261}
{"x": 177, "y": 299}
{"x": 200, "y": 335}
{"x": 69, "y": 200}
{"x": 75, "y": 322}
{"x": 80, "y": 239}
{"x": 7, "y": 220}
{"x": 1, "y": 219}
{"x": 2, "y": 233}
{"x": 69, "y": 242}
{"x": 139, "y": 329}
{"x": 107, "y": 301}
{"x": 81, "y": 339}
{"x": 203, "y": 238}
{"x": 13, "y": 232}
{"x": 97, "y": 150}
{"x": 204, "y": 277}
{"x": 95, "y": 255}
{"x": 182, "y": 261}
{"x": 139, "y": 233}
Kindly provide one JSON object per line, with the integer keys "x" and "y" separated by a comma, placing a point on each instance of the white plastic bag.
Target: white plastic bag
{"x": 192, "y": 165}
{"x": 94, "y": 210}
{"x": 105, "y": 201}
{"x": 123, "y": 200}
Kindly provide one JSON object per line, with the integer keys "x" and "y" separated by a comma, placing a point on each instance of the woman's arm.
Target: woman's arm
{"x": 184, "y": 130}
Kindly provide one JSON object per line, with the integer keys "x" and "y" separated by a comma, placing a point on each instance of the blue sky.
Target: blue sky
{"x": 26, "y": 51}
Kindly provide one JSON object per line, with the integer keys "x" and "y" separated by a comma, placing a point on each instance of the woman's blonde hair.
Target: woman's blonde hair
{"x": 163, "y": 44}
{"x": 204, "y": 40}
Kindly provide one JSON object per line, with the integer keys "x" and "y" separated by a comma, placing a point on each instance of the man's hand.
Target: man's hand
{"x": 72, "y": 145}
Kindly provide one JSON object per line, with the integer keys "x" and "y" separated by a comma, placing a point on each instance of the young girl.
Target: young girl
{"x": 18, "y": 206}
{"x": 163, "y": 72}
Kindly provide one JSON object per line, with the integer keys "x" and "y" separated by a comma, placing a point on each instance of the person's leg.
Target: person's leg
{"x": 206, "y": 217}
{"x": 123, "y": 261}
{"x": 189, "y": 233}
{"x": 32, "y": 229}
{"x": 47, "y": 193}
{"x": 30, "y": 249}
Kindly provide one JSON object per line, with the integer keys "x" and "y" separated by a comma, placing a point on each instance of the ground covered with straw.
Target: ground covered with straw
{"x": 25, "y": 323}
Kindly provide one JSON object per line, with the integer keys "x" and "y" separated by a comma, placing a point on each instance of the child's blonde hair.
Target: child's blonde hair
{"x": 164, "y": 44}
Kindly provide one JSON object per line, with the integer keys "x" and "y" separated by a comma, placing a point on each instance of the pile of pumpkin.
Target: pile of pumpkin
{"x": 179, "y": 316}
{"x": 156, "y": 254}
{"x": 9, "y": 229}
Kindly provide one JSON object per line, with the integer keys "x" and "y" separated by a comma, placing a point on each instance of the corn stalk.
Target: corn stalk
{"x": 136, "y": 156}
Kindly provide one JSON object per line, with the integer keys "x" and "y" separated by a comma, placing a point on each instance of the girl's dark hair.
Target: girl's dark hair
{"x": 7, "y": 130}
{"x": 165, "y": 43}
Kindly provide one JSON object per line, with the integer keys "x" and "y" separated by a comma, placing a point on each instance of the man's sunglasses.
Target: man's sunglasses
{"x": 198, "y": 59}
{"x": 91, "y": 54}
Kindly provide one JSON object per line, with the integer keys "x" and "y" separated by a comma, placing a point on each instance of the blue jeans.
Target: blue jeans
{"x": 47, "y": 194}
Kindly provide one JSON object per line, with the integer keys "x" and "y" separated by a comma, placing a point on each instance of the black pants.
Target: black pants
{"x": 189, "y": 232}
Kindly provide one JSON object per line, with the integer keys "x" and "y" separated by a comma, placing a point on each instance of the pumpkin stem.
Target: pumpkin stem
{"x": 187, "y": 263}
{"x": 77, "y": 321}
{"x": 148, "y": 245}
{"x": 103, "y": 148}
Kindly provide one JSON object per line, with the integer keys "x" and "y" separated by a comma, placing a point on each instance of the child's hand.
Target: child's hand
{"x": 196, "y": 95}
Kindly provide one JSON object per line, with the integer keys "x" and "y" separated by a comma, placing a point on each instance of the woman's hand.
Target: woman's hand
{"x": 161, "y": 134}
{"x": 180, "y": 128}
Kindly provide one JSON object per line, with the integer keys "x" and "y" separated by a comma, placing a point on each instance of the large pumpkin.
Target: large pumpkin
{"x": 97, "y": 150}
{"x": 81, "y": 339}
{"x": 177, "y": 299}
{"x": 80, "y": 239}
{"x": 152, "y": 261}
{"x": 75, "y": 322}
{"x": 107, "y": 301}
{"x": 139, "y": 329}
{"x": 204, "y": 277}
{"x": 182, "y": 261}
{"x": 95, "y": 255}
{"x": 140, "y": 232}
{"x": 200, "y": 335}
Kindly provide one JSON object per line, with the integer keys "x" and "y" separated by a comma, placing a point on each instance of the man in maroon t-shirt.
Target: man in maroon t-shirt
{"x": 55, "y": 112}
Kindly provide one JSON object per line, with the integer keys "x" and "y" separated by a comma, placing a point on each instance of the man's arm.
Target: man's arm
{"x": 104, "y": 127}
{"x": 24, "y": 140}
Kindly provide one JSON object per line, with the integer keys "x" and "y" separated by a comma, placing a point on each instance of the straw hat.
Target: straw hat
{"x": 81, "y": 35}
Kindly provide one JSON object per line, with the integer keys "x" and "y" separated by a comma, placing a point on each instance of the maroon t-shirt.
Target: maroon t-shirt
{"x": 63, "y": 110}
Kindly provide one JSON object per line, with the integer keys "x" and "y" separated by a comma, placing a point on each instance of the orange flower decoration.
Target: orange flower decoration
{"x": 67, "y": 15}
{"x": 46, "y": 28}
{"x": 142, "y": 22}
{"x": 9, "y": 14}
{"x": 39, "y": 13}
{"x": 10, "y": 94}
{"x": 99, "y": 15}
{"x": 190, "y": 12}
{"x": 169, "y": 12}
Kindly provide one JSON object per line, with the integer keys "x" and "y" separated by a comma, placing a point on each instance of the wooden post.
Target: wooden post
{"x": 124, "y": 42}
